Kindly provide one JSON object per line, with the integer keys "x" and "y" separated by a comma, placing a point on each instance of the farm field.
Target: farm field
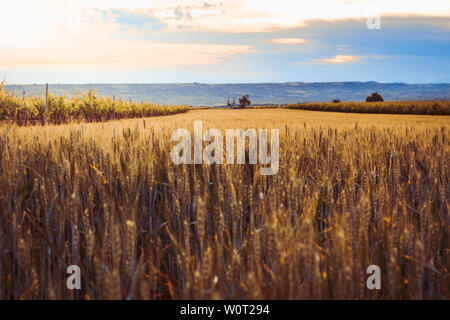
{"x": 432, "y": 107}
{"x": 352, "y": 190}
{"x": 85, "y": 107}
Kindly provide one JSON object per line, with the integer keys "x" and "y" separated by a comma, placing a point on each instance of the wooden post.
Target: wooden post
{"x": 46, "y": 103}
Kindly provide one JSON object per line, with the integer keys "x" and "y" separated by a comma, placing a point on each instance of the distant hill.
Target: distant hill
{"x": 198, "y": 94}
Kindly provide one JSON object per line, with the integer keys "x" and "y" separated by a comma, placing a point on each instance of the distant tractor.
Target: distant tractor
{"x": 243, "y": 102}
{"x": 375, "y": 97}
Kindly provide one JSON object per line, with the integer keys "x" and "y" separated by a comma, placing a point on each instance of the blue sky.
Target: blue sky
{"x": 224, "y": 41}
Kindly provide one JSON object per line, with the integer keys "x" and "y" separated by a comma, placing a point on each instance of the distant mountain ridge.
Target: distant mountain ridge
{"x": 201, "y": 94}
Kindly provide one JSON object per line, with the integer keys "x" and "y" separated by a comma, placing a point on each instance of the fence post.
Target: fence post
{"x": 46, "y": 103}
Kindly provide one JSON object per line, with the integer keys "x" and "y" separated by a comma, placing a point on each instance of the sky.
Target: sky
{"x": 224, "y": 41}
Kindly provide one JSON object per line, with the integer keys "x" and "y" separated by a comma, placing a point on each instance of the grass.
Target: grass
{"x": 353, "y": 190}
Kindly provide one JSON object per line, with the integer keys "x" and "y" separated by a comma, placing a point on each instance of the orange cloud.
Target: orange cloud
{"x": 118, "y": 55}
{"x": 55, "y": 44}
{"x": 341, "y": 59}
{"x": 288, "y": 41}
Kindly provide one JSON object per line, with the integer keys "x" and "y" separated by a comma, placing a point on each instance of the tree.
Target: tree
{"x": 244, "y": 101}
{"x": 375, "y": 97}
{"x": 336, "y": 101}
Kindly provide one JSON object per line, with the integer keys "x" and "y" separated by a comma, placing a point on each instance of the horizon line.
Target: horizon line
{"x": 222, "y": 83}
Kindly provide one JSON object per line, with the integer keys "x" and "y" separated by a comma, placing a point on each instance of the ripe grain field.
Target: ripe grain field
{"x": 352, "y": 190}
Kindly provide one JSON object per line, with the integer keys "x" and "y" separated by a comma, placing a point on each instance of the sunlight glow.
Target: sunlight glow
{"x": 55, "y": 33}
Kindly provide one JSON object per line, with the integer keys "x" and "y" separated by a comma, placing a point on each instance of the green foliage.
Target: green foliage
{"x": 375, "y": 97}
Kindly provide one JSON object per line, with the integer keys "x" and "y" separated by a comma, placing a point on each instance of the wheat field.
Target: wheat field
{"x": 353, "y": 190}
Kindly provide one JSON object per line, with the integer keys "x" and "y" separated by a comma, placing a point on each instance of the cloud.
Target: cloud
{"x": 134, "y": 20}
{"x": 21, "y": 17}
{"x": 341, "y": 58}
{"x": 288, "y": 41}
{"x": 343, "y": 47}
{"x": 176, "y": 14}
{"x": 124, "y": 54}
{"x": 176, "y": 33}
{"x": 103, "y": 39}
{"x": 268, "y": 15}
